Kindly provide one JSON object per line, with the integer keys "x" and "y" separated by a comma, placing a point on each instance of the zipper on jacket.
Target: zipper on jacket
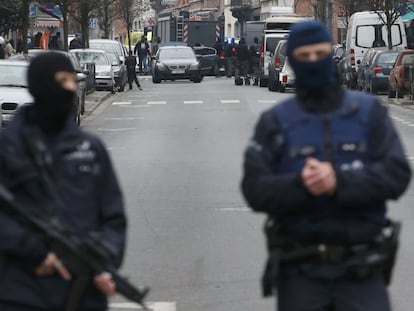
{"x": 327, "y": 139}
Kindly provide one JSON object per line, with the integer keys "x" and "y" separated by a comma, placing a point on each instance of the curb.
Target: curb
{"x": 95, "y": 104}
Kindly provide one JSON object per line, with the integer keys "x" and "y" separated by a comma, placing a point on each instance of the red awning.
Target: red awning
{"x": 47, "y": 23}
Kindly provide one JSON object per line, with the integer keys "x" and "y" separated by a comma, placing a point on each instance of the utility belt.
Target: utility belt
{"x": 360, "y": 260}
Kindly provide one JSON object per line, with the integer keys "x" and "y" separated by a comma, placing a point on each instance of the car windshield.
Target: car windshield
{"x": 92, "y": 57}
{"x": 387, "y": 58}
{"x": 106, "y": 46}
{"x": 176, "y": 54}
{"x": 113, "y": 57}
{"x": 271, "y": 43}
{"x": 13, "y": 75}
{"x": 408, "y": 59}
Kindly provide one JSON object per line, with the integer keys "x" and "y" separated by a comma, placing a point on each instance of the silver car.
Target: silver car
{"x": 104, "y": 73}
{"x": 13, "y": 88}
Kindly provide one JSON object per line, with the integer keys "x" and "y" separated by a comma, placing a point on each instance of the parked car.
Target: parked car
{"x": 363, "y": 66}
{"x": 398, "y": 83}
{"x": 378, "y": 73}
{"x": 276, "y": 64}
{"x": 270, "y": 41}
{"x": 286, "y": 77}
{"x": 366, "y": 30}
{"x": 174, "y": 63}
{"x": 14, "y": 91}
{"x": 104, "y": 74}
{"x": 207, "y": 58}
{"x": 113, "y": 46}
{"x": 338, "y": 52}
{"x": 81, "y": 91}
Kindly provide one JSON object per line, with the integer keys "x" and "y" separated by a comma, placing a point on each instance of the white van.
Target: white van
{"x": 270, "y": 41}
{"x": 366, "y": 30}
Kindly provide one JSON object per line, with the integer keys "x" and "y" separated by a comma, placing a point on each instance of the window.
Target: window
{"x": 13, "y": 75}
{"x": 271, "y": 44}
{"x": 387, "y": 58}
{"x": 372, "y": 36}
{"x": 408, "y": 59}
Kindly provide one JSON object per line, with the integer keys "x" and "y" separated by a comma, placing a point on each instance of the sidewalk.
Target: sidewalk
{"x": 93, "y": 100}
{"x": 405, "y": 102}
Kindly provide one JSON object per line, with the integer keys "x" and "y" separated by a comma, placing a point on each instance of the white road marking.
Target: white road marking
{"x": 230, "y": 101}
{"x": 193, "y": 102}
{"x": 117, "y": 130}
{"x": 121, "y": 103}
{"x": 233, "y": 209}
{"x": 154, "y": 306}
{"x": 266, "y": 101}
{"x": 136, "y": 106}
{"x": 157, "y": 103}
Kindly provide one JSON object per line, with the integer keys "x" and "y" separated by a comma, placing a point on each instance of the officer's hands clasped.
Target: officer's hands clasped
{"x": 318, "y": 177}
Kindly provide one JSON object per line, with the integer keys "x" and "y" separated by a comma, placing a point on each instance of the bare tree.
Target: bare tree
{"x": 349, "y": 7}
{"x": 388, "y": 11}
{"x": 64, "y": 6}
{"x": 128, "y": 11}
{"x": 157, "y": 6}
{"x": 82, "y": 11}
{"x": 107, "y": 14}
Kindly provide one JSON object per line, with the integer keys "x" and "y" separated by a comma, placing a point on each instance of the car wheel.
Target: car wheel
{"x": 273, "y": 86}
{"x": 155, "y": 79}
{"x": 282, "y": 89}
{"x": 263, "y": 82}
{"x": 197, "y": 80}
{"x": 372, "y": 89}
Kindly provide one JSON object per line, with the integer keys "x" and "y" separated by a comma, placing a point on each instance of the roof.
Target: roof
{"x": 14, "y": 63}
{"x": 174, "y": 47}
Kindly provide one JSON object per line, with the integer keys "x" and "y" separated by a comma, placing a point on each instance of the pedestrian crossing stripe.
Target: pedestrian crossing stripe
{"x": 157, "y": 103}
{"x": 230, "y": 101}
{"x": 193, "y": 102}
{"x": 121, "y": 103}
{"x": 154, "y": 306}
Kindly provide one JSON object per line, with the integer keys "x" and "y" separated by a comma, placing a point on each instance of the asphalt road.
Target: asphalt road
{"x": 178, "y": 148}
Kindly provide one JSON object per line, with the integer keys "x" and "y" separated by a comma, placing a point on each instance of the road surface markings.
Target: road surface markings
{"x": 154, "y": 306}
{"x": 136, "y": 106}
{"x": 267, "y": 101}
{"x": 193, "y": 102}
{"x": 157, "y": 103}
{"x": 233, "y": 209}
{"x": 121, "y": 103}
{"x": 230, "y": 101}
{"x": 117, "y": 130}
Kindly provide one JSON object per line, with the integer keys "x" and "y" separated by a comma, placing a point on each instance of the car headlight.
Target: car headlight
{"x": 194, "y": 66}
{"x": 161, "y": 66}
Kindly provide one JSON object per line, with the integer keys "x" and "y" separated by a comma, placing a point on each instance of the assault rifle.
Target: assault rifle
{"x": 84, "y": 258}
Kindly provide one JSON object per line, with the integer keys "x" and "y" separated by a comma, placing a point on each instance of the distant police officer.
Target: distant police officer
{"x": 322, "y": 165}
{"x": 32, "y": 277}
{"x": 131, "y": 64}
{"x": 254, "y": 50}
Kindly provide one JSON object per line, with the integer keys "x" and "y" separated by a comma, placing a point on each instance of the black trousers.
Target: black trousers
{"x": 298, "y": 292}
{"x": 10, "y": 306}
{"x": 132, "y": 77}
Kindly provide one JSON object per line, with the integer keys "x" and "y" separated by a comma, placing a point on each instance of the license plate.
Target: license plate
{"x": 178, "y": 71}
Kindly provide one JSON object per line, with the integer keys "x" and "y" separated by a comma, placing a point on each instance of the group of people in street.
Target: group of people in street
{"x": 240, "y": 59}
{"x": 6, "y": 48}
{"x": 321, "y": 164}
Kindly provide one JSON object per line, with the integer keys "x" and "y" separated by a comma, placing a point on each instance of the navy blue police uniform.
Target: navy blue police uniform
{"x": 84, "y": 179}
{"x": 353, "y": 132}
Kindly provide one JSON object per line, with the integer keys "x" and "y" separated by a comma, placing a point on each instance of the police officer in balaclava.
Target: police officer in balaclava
{"x": 322, "y": 164}
{"x": 52, "y": 83}
{"x": 74, "y": 181}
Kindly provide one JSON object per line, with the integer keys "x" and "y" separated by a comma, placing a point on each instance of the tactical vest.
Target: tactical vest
{"x": 340, "y": 137}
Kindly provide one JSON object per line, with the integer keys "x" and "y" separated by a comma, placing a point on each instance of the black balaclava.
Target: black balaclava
{"x": 317, "y": 82}
{"x": 53, "y": 104}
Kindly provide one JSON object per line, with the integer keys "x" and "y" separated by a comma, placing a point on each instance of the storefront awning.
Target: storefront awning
{"x": 47, "y": 23}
